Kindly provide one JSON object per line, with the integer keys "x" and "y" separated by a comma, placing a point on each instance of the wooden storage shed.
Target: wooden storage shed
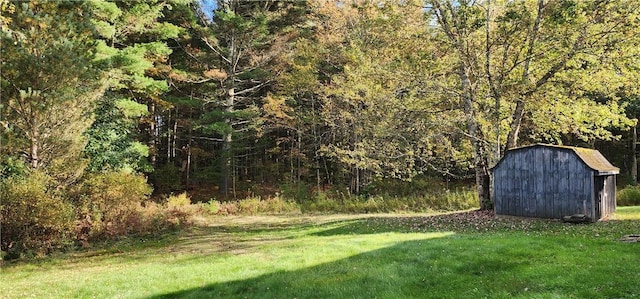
{"x": 550, "y": 181}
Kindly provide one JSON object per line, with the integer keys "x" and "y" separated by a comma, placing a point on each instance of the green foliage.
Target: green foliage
{"x": 131, "y": 109}
{"x": 133, "y": 45}
{"x": 49, "y": 82}
{"x": 166, "y": 179}
{"x": 178, "y": 201}
{"x": 111, "y": 142}
{"x": 212, "y": 207}
{"x": 10, "y": 166}
{"x": 35, "y": 218}
{"x": 249, "y": 206}
{"x": 628, "y": 196}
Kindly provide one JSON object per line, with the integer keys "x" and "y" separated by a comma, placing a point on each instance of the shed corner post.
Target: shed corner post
{"x": 594, "y": 198}
{"x": 492, "y": 197}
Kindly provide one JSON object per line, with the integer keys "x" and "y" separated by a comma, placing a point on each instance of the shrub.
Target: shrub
{"x": 249, "y": 206}
{"x": 212, "y": 207}
{"x": 33, "y": 216}
{"x": 180, "y": 200}
{"x": 278, "y": 205}
{"x": 110, "y": 203}
{"x": 229, "y": 208}
{"x": 252, "y": 206}
{"x": 628, "y": 196}
{"x": 300, "y": 192}
{"x": 460, "y": 199}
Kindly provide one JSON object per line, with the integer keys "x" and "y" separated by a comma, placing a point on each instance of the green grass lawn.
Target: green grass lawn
{"x": 462, "y": 255}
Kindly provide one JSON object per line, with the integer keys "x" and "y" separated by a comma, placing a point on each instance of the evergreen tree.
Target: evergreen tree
{"x": 50, "y": 82}
{"x": 238, "y": 57}
{"x": 133, "y": 45}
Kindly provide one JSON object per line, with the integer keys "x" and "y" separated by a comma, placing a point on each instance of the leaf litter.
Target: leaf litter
{"x": 480, "y": 221}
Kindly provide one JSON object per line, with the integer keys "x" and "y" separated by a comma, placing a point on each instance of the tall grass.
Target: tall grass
{"x": 252, "y": 206}
{"x": 450, "y": 200}
{"x": 333, "y": 202}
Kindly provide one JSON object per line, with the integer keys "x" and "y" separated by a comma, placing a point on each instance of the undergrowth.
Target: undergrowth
{"x": 628, "y": 196}
{"x": 328, "y": 202}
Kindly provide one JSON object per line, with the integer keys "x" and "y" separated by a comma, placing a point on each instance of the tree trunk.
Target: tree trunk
{"x": 518, "y": 113}
{"x": 514, "y": 131}
{"x": 175, "y": 137}
{"x": 34, "y": 153}
{"x": 227, "y": 154}
{"x": 169, "y": 137}
{"x": 634, "y": 156}
{"x": 493, "y": 89}
{"x": 188, "y": 170}
{"x": 153, "y": 149}
{"x": 479, "y": 151}
{"x": 299, "y": 174}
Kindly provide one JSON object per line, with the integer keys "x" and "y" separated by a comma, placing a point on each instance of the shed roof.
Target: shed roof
{"x": 591, "y": 157}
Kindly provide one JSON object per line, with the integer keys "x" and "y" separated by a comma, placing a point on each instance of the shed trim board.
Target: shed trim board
{"x": 551, "y": 181}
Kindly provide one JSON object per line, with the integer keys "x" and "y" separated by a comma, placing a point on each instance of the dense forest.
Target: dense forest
{"x": 233, "y": 98}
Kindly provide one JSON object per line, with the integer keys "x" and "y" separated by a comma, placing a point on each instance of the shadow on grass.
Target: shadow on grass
{"x": 447, "y": 267}
{"x": 237, "y": 236}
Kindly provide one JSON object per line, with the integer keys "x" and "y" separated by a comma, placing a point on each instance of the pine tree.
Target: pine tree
{"x": 238, "y": 60}
{"x": 133, "y": 46}
{"x": 50, "y": 82}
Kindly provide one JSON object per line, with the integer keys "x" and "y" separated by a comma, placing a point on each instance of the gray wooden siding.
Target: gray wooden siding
{"x": 543, "y": 182}
{"x": 604, "y": 195}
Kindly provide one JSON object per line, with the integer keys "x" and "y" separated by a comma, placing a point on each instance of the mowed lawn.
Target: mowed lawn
{"x": 460, "y": 255}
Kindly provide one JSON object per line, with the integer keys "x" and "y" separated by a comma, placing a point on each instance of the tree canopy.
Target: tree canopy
{"x": 228, "y": 95}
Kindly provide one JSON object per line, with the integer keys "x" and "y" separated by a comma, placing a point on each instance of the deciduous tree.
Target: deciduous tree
{"x": 527, "y": 62}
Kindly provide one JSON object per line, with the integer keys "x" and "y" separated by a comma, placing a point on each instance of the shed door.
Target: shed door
{"x": 600, "y": 195}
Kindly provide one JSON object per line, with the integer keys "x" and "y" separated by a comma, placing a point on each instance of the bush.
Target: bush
{"x": 177, "y": 201}
{"x": 416, "y": 187}
{"x": 300, "y": 192}
{"x": 278, "y": 205}
{"x": 229, "y": 208}
{"x": 212, "y": 207}
{"x": 628, "y": 196}
{"x": 33, "y": 216}
{"x": 109, "y": 204}
{"x": 249, "y": 206}
{"x": 252, "y": 206}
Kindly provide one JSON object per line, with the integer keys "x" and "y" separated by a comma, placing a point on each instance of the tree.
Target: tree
{"x": 50, "y": 82}
{"x": 378, "y": 105}
{"x": 517, "y": 59}
{"x": 238, "y": 61}
{"x": 112, "y": 144}
{"x": 133, "y": 46}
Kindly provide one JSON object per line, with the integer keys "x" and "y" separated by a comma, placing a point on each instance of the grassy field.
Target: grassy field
{"x": 460, "y": 255}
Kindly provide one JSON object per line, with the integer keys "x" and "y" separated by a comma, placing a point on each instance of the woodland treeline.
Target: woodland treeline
{"x": 231, "y": 96}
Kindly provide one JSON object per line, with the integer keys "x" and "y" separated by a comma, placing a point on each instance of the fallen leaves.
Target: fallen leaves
{"x": 487, "y": 222}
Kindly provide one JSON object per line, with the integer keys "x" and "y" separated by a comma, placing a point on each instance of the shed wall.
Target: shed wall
{"x": 605, "y": 196}
{"x": 543, "y": 182}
